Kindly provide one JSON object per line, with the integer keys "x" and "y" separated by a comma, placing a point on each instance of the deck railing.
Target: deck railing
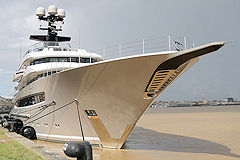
{"x": 62, "y": 46}
{"x": 125, "y": 49}
{"x": 145, "y": 46}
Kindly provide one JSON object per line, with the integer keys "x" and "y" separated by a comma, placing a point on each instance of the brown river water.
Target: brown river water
{"x": 182, "y": 133}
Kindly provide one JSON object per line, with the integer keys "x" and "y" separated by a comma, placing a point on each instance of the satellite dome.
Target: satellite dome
{"x": 52, "y": 10}
{"x": 61, "y": 13}
{"x": 40, "y": 12}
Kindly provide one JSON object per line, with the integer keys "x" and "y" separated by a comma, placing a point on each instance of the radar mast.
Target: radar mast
{"x": 54, "y": 15}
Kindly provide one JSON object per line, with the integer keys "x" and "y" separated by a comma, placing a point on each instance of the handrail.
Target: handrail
{"x": 121, "y": 49}
{"x": 61, "y": 46}
{"x": 145, "y": 46}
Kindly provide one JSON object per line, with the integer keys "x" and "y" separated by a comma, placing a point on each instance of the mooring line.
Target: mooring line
{"x": 79, "y": 118}
{"x": 43, "y": 108}
{"x": 51, "y": 112}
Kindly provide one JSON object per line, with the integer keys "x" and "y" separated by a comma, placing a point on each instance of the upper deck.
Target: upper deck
{"x": 48, "y": 56}
{"x": 44, "y": 52}
{"x": 55, "y": 46}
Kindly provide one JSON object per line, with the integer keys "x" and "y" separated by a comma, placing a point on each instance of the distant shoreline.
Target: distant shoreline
{"x": 194, "y": 109}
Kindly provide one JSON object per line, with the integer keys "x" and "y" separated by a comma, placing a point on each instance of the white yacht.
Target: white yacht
{"x": 65, "y": 94}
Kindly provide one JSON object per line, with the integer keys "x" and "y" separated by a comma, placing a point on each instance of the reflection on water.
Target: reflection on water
{"x": 142, "y": 140}
{"x": 145, "y": 139}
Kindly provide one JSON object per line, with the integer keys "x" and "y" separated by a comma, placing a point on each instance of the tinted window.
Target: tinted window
{"x": 30, "y": 100}
{"x": 85, "y": 60}
{"x": 64, "y": 59}
{"x": 93, "y": 60}
{"x": 57, "y": 59}
{"x": 75, "y": 59}
{"x": 53, "y": 59}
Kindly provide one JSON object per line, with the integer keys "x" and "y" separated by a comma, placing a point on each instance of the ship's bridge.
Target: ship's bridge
{"x": 46, "y": 58}
{"x": 49, "y": 51}
{"x": 49, "y": 45}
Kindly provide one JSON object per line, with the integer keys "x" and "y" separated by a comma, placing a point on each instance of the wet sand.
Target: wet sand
{"x": 193, "y": 133}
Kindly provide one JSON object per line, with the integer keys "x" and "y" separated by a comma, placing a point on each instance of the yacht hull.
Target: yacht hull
{"x": 117, "y": 91}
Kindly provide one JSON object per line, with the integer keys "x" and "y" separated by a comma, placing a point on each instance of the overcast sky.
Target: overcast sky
{"x": 107, "y": 22}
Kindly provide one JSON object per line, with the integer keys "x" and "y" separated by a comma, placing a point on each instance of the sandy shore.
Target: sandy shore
{"x": 193, "y": 133}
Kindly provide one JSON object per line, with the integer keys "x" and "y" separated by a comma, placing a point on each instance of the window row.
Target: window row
{"x": 38, "y": 77}
{"x": 63, "y": 59}
{"x": 30, "y": 100}
{"x": 42, "y": 75}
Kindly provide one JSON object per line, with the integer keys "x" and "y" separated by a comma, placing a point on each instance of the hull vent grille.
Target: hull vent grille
{"x": 159, "y": 82}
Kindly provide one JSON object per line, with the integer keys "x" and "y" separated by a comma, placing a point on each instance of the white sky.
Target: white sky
{"x": 107, "y": 22}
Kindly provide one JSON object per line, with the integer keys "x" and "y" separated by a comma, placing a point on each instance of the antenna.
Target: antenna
{"x": 54, "y": 15}
{"x": 20, "y": 43}
{"x": 78, "y": 37}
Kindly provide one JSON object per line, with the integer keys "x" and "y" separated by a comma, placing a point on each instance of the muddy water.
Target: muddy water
{"x": 178, "y": 133}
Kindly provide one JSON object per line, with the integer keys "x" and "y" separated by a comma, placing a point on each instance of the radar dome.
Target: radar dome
{"x": 40, "y": 12}
{"x": 52, "y": 10}
{"x": 61, "y": 13}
